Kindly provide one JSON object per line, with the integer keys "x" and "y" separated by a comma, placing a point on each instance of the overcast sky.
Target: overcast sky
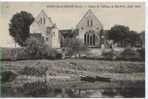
{"x": 109, "y": 14}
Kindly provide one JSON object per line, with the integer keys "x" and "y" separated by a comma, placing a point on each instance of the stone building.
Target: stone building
{"x": 43, "y": 25}
{"x": 90, "y": 30}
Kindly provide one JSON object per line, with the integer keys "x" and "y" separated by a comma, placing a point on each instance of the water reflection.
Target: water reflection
{"x": 42, "y": 90}
{"x": 75, "y": 89}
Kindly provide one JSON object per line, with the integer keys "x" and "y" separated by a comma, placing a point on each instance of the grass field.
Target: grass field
{"x": 66, "y": 74}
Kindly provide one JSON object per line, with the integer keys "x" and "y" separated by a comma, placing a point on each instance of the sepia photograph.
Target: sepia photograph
{"x": 72, "y": 49}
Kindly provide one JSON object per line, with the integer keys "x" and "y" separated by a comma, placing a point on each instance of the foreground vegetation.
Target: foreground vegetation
{"x": 36, "y": 78}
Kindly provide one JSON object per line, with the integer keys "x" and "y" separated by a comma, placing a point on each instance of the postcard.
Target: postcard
{"x": 72, "y": 49}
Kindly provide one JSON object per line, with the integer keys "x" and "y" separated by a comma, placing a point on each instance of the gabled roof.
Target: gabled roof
{"x": 42, "y": 13}
{"x": 89, "y": 12}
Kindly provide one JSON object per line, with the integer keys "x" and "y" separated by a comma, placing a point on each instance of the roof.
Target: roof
{"x": 67, "y": 32}
{"x": 89, "y": 12}
{"x": 42, "y": 13}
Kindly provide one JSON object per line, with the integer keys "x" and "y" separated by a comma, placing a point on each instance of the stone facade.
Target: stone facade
{"x": 90, "y": 30}
{"x": 44, "y": 26}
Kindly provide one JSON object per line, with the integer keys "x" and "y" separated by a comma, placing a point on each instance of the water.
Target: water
{"x": 41, "y": 88}
{"x": 44, "y": 91}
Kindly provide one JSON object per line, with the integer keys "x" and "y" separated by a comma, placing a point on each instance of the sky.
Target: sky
{"x": 67, "y": 15}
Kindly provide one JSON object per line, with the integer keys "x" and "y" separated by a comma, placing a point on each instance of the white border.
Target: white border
{"x": 146, "y": 48}
{"x": 75, "y": 0}
{"x": 146, "y": 35}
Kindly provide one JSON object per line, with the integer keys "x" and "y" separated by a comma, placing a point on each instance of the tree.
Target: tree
{"x": 35, "y": 46}
{"x": 142, "y": 39}
{"x": 132, "y": 37}
{"x": 7, "y": 76}
{"x": 19, "y": 26}
{"x": 118, "y": 33}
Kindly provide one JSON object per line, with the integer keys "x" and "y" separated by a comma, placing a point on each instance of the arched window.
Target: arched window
{"x": 94, "y": 40}
{"x": 85, "y": 39}
{"x": 40, "y": 21}
{"x": 91, "y": 40}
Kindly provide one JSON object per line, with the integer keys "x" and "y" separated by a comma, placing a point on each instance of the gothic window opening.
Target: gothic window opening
{"x": 85, "y": 39}
{"x": 40, "y": 21}
{"x": 93, "y": 40}
{"x": 89, "y": 39}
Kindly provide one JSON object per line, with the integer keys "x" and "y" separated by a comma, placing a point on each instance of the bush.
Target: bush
{"x": 109, "y": 55}
{"x": 35, "y": 47}
{"x": 14, "y": 54}
{"x": 38, "y": 49}
{"x": 130, "y": 54}
{"x": 36, "y": 89}
{"x": 74, "y": 46}
{"x": 34, "y": 71}
{"x": 21, "y": 55}
{"x": 48, "y": 52}
{"x": 58, "y": 56}
{"x": 7, "y": 76}
{"x": 142, "y": 53}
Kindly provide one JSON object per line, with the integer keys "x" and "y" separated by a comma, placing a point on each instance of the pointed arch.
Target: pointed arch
{"x": 91, "y": 40}
{"x": 85, "y": 39}
{"x": 94, "y": 39}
